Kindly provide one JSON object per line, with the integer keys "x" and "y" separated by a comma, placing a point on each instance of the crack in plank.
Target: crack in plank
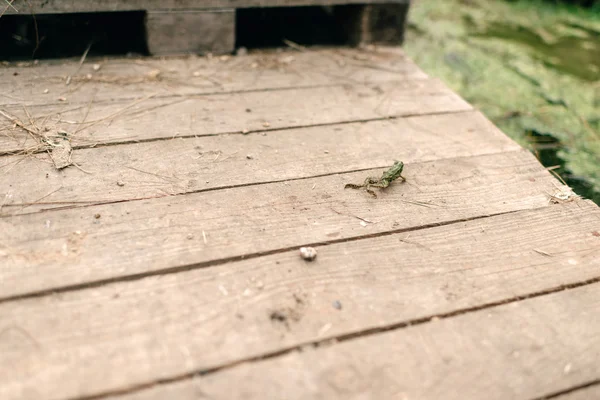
{"x": 82, "y": 204}
{"x": 226, "y": 260}
{"x": 244, "y": 132}
{"x": 334, "y": 340}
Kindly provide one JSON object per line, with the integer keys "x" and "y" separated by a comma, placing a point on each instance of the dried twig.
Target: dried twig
{"x": 294, "y": 45}
{"x": 353, "y": 216}
{"x": 8, "y": 5}
{"x": 81, "y": 61}
{"x": 18, "y": 123}
{"x": 542, "y": 253}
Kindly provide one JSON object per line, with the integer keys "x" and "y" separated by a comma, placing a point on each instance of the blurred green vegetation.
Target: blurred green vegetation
{"x": 532, "y": 67}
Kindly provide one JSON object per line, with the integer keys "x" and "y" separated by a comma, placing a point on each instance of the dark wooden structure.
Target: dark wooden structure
{"x": 201, "y": 26}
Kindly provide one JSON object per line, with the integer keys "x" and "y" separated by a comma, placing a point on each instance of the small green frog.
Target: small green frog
{"x": 386, "y": 179}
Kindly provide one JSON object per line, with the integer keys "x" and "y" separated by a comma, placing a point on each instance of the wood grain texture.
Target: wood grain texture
{"x": 185, "y": 32}
{"x": 516, "y": 351}
{"x": 61, "y": 248}
{"x": 198, "y": 115}
{"x": 126, "y": 78}
{"x": 164, "y": 168}
{"x": 133, "y": 333}
{"x": 66, "y": 6}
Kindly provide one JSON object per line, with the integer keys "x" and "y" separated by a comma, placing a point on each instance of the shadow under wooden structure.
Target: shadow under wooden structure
{"x": 193, "y": 26}
{"x": 152, "y": 211}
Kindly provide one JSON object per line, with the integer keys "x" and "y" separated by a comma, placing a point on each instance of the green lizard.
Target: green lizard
{"x": 386, "y": 179}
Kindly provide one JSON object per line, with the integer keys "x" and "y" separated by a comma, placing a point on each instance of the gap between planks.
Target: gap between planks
{"x": 127, "y": 79}
{"x": 194, "y": 116}
{"x": 180, "y": 300}
{"x": 333, "y": 341}
{"x": 223, "y": 261}
{"x": 211, "y": 163}
{"x": 586, "y": 391}
{"x": 145, "y": 236}
{"x": 238, "y": 133}
{"x": 319, "y": 359}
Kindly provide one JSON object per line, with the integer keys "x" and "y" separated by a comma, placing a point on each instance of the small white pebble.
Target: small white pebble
{"x": 196, "y": 73}
{"x": 46, "y": 91}
{"x": 363, "y": 223}
{"x": 223, "y": 290}
{"x": 120, "y": 183}
{"x": 96, "y": 67}
{"x": 324, "y": 329}
{"x": 62, "y": 99}
{"x": 247, "y": 292}
{"x": 326, "y": 151}
{"x": 190, "y": 236}
{"x": 245, "y": 131}
{"x": 266, "y": 124}
{"x": 308, "y": 253}
{"x": 242, "y": 51}
{"x": 249, "y": 156}
{"x": 224, "y": 58}
{"x": 88, "y": 76}
{"x": 567, "y": 368}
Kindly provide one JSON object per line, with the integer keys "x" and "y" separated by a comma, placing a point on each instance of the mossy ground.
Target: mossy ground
{"x": 532, "y": 67}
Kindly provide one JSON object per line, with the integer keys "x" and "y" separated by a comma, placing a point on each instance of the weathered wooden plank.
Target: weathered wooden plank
{"x": 173, "y": 116}
{"x": 185, "y": 32}
{"x": 163, "y": 168}
{"x": 50, "y": 250}
{"x": 64, "y": 6}
{"x": 133, "y": 333}
{"x": 101, "y": 80}
{"x": 514, "y": 351}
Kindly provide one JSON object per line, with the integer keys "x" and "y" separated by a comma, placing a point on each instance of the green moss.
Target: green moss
{"x": 531, "y": 67}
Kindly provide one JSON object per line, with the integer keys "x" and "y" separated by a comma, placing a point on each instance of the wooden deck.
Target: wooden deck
{"x": 163, "y": 261}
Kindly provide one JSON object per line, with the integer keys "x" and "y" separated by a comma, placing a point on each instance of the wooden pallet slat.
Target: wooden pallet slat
{"x": 180, "y": 32}
{"x": 117, "y": 173}
{"x": 74, "y": 247}
{"x": 171, "y": 116}
{"x": 122, "y": 78}
{"x": 67, "y": 6}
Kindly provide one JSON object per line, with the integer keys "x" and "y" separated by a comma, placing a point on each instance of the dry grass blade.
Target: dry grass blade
{"x": 81, "y": 61}
{"x": 9, "y": 4}
{"x": 542, "y": 252}
{"x": 19, "y": 123}
{"x": 294, "y": 45}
